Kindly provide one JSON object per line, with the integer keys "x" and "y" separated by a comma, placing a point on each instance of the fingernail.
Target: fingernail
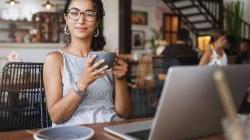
{"x": 94, "y": 55}
{"x": 103, "y": 60}
{"x": 106, "y": 66}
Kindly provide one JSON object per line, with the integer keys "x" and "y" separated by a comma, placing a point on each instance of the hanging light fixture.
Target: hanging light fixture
{"x": 12, "y": 2}
{"x": 48, "y": 5}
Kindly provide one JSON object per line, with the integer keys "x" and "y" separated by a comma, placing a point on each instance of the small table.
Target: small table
{"x": 100, "y": 134}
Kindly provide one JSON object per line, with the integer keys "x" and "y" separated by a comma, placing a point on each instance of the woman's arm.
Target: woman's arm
{"x": 205, "y": 58}
{"x": 123, "y": 103}
{"x": 61, "y": 108}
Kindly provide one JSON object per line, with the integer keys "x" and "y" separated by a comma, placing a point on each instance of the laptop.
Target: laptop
{"x": 189, "y": 106}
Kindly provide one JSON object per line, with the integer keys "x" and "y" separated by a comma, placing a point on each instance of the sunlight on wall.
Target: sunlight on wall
{"x": 203, "y": 43}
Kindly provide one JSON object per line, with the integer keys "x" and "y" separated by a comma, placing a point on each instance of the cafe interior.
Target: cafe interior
{"x": 184, "y": 58}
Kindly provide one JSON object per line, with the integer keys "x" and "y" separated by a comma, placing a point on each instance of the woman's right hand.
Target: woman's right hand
{"x": 91, "y": 72}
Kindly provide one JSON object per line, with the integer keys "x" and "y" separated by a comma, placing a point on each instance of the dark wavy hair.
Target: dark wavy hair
{"x": 99, "y": 42}
{"x": 216, "y": 35}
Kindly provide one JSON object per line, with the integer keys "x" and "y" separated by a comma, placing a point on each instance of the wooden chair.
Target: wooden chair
{"x": 161, "y": 64}
{"x": 144, "y": 77}
{"x": 22, "y": 98}
{"x": 143, "y": 88}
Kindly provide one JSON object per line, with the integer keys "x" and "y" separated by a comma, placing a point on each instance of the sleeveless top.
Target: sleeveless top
{"x": 97, "y": 105}
{"x": 215, "y": 59}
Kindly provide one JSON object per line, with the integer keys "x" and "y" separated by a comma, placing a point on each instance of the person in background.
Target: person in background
{"x": 181, "y": 53}
{"x": 183, "y": 50}
{"x": 216, "y": 54}
{"x": 245, "y": 106}
{"x": 79, "y": 91}
{"x": 243, "y": 55}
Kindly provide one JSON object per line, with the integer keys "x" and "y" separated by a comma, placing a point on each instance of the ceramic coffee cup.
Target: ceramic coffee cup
{"x": 109, "y": 57}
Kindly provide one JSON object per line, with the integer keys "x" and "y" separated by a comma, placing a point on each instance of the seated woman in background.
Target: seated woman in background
{"x": 243, "y": 55}
{"x": 216, "y": 54}
{"x": 78, "y": 91}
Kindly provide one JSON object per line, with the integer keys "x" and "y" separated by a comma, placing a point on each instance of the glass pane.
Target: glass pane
{"x": 167, "y": 24}
{"x": 167, "y": 37}
{"x": 175, "y": 24}
{"x": 173, "y": 38}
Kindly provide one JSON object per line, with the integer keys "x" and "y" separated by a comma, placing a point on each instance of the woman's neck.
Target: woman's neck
{"x": 218, "y": 50}
{"x": 80, "y": 47}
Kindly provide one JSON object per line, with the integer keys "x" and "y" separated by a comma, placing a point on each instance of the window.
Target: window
{"x": 171, "y": 25}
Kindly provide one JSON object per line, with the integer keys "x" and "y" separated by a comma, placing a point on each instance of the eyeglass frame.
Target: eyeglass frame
{"x": 81, "y": 13}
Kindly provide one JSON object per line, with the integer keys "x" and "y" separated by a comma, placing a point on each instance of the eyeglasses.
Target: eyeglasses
{"x": 75, "y": 14}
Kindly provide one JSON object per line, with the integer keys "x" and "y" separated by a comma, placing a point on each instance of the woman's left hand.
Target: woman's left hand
{"x": 120, "y": 68}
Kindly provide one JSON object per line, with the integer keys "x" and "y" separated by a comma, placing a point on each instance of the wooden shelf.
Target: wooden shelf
{"x": 18, "y": 22}
{"x": 17, "y": 30}
{"x": 22, "y": 26}
{"x": 49, "y": 30}
{"x": 31, "y": 45}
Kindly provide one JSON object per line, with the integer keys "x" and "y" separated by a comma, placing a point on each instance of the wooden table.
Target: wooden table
{"x": 100, "y": 134}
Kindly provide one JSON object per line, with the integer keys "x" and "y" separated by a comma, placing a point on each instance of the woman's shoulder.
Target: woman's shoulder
{"x": 208, "y": 53}
{"x": 55, "y": 57}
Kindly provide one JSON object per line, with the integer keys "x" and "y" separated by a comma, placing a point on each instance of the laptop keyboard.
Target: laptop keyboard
{"x": 142, "y": 135}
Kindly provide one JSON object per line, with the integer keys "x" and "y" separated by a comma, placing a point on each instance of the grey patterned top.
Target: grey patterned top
{"x": 97, "y": 106}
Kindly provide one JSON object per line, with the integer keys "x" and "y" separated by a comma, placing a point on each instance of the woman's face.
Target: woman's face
{"x": 81, "y": 19}
{"x": 243, "y": 47}
{"x": 221, "y": 43}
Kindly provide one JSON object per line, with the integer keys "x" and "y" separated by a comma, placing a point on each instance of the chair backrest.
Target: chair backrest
{"x": 161, "y": 64}
{"x": 144, "y": 70}
{"x": 22, "y": 99}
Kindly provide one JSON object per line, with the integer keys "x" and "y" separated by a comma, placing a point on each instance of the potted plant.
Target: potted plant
{"x": 156, "y": 41}
{"x": 233, "y": 14}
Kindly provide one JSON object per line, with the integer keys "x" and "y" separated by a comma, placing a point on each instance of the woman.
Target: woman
{"x": 78, "y": 91}
{"x": 216, "y": 54}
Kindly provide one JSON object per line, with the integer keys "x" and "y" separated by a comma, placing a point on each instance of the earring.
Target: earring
{"x": 66, "y": 30}
{"x": 96, "y": 33}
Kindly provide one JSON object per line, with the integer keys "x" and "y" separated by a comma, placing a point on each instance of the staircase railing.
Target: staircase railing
{"x": 171, "y": 5}
{"x": 215, "y": 9}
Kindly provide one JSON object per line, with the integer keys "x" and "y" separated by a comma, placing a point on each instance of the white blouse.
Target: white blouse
{"x": 215, "y": 59}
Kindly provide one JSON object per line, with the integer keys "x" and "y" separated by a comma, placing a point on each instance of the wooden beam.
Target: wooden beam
{"x": 125, "y": 26}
